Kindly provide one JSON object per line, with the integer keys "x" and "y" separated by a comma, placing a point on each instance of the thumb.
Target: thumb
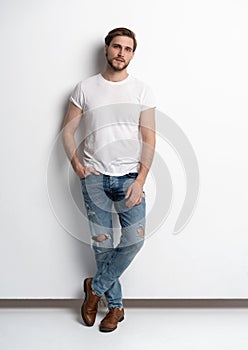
{"x": 94, "y": 171}
{"x": 128, "y": 192}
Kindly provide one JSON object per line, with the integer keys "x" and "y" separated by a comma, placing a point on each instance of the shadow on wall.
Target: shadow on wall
{"x": 98, "y": 62}
{"x": 66, "y": 190}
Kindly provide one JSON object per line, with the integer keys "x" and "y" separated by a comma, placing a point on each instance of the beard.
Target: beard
{"x": 116, "y": 68}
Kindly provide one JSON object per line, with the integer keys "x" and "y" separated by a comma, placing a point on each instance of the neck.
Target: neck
{"x": 110, "y": 74}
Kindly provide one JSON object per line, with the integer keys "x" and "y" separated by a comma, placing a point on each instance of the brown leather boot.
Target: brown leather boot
{"x": 110, "y": 321}
{"x": 90, "y": 304}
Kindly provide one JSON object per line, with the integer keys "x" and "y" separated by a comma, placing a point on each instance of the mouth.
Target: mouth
{"x": 119, "y": 60}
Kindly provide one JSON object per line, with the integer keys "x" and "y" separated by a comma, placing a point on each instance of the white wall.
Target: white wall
{"x": 194, "y": 55}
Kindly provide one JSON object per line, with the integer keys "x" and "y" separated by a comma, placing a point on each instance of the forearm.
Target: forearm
{"x": 147, "y": 154}
{"x": 134, "y": 192}
{"x": 70, "y": 148}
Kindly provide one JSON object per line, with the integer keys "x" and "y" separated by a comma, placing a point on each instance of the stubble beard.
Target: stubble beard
{"x": 116, "y": 68}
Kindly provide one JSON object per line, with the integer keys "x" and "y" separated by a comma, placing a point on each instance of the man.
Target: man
{"x": 117, "y": 114}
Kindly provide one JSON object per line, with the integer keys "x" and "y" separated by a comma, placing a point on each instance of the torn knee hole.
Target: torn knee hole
{"x": 91, "y": 212}
{"x": 141, "y": 232}
{"x": 100, "y": 238}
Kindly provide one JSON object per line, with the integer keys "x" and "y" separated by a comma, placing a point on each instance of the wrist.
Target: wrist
{"x": 75, "y": 162}
{"x": 140, "y": 180}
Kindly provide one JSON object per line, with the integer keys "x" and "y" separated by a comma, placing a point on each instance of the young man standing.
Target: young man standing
{"x": 118, "y": 113}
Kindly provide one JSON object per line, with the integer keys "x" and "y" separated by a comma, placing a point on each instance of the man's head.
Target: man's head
{"x": 121, "y": 32}
{"x": 120, "y": 44}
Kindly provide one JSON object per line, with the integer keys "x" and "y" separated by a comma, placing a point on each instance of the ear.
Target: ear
{"x": 132, "y": 56}
{"x": 105, "y": 49}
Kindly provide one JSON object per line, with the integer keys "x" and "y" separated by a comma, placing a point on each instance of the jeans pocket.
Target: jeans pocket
{"x": 83, "y": 178}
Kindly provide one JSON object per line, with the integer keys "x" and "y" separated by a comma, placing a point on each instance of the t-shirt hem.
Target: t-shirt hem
{"x": 119, "y": 174}
{"x": 113, "y": 173}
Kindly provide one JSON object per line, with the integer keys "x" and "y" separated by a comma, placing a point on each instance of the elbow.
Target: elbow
{"x": 151, "y": 141}
{"x": 66, "y": 135}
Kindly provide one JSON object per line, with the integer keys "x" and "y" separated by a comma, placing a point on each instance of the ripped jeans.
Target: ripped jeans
{"x": 101, "y": 193}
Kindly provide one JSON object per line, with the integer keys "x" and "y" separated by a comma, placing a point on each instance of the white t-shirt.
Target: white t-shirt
{"x": 110, "y": 122}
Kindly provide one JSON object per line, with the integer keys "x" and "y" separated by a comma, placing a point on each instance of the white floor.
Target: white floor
{"x": 143, "y": 328}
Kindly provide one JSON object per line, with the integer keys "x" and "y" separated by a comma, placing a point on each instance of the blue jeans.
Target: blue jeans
{"x": 101, "y": 193}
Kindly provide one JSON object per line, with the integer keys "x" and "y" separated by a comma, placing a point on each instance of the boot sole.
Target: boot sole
{"x": 107, "y": 330}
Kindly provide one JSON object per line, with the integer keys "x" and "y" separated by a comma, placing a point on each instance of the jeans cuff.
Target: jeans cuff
{"x": 111, "y": 306}
{"x": 95, "y": 291}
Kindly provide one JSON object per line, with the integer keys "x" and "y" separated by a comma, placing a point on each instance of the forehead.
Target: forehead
{"x": 123, "y": 41}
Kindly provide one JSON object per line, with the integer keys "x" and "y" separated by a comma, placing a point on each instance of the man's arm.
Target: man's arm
{"x": 71, "y": 123}
{"x": 147, "y": 126}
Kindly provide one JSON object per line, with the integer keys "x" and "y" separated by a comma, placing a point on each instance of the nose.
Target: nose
{"x": 121, "y": 51}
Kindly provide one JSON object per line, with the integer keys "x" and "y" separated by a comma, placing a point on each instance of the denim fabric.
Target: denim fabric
{"x": 104, "y": 194}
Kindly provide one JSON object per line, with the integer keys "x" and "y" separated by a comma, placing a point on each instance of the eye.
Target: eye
{"x": 129, "y": 49}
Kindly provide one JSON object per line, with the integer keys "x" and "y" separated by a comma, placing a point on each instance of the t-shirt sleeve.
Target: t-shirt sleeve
{"x": 77, "y": 96}
{"x": 148, "y": 98}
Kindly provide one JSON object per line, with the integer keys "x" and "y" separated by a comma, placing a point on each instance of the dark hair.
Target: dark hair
{"x": 121, "y": 32}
